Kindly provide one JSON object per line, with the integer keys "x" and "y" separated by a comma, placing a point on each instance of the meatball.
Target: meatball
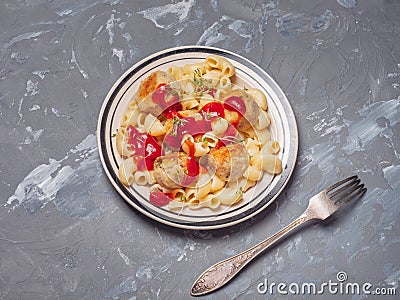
{"x": 230, "y": 161}
{"x": 169, "y": 170}
{"x": 250, "y": 115}
{"x": 148, "y": 86}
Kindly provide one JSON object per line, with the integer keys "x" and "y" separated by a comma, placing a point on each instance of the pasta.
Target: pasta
{"x": 229, "y": 195}
{"x": 143, "y": 177}
{"x": 272, "y": 147}
{"x": 216, "y": 184}
{"x": 219, "y": 126}
{"x": 190, "y": 68}
{"x": 272, "y": 164}
{"x": 153, "y": 126}
{"x": 176, "y": 72}
{"x": 263, "y": 120}
{"x": 123, "y": 147}
{"x": 127, "y": 170}
{"x": 203, "y": 187}
{"x": 220, "y": 63}
{"x": 197, "y": 140}
{"x": 259, "y": 97}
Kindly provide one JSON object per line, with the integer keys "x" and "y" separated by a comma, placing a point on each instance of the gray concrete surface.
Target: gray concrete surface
{"x": 66, "y": 234}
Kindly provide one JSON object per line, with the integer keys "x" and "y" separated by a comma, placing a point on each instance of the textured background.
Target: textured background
{"x": 66, "y": 234}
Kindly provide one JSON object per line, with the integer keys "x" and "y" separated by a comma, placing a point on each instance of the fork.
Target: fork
{"x": 320, "y": 207}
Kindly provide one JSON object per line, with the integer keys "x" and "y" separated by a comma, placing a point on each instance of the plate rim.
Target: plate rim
{"x": 114, "y": 181}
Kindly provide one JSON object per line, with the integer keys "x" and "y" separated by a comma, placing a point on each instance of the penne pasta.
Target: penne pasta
{"x": 179, "y": 195}
{"x": 153, "y": 126}
{"x": 263, "y": 136}
{"x": 126, "y": 171}
{"x": 216, "y": 184}
{"x": 190, "y": 194}
{"x": 252, "y": 146}
{"x": 176, "y": 72}
{"x": 203, "y": 186}
{"x": 272, "y": 147}
{"x": 224, "y": 83}
{"x": 141, "y": 118}
{"x": 229, "y": 195}
{"x": 263, "y": 120}
{"x": 221, "y": 63}
{"x": 177, "y": 205}
{"x": 190, "y": 68}
{"x": 213, "y": 74}
{"x": 210, "y": 201}
{"x": 189, "y": 102}
{"x": 256, "y": 160}
{"x": 122, "y": 144}
{"x": 259, "y": 97}
{"x": 142, "y": 178}
{"x": 210, "y": 139}
{"x": 253, "y": 173}
{"x": 246, "y": 184}
{"x": 130, "y": 117}
{"x": 200, "y": 148}
{"x": 272, "y": 164}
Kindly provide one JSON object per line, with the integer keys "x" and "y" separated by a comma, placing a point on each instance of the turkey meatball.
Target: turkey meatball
{"x": 249, "y": 111}
{"x": 230, "y": 161}
{"x": 147, "y": 87}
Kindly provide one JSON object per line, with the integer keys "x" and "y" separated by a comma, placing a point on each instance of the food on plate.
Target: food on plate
{"x": 169, "y": 170}
{"x": 195, "y": 138}
{"x": 231, "y": 161}
{"x": 240, "y": 108}
{"x": 151, "y": 102}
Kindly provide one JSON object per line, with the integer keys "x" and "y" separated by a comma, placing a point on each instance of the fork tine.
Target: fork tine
{"x": 332, "y": 187}
{"x": 355, "y": 195}
{"x": 344, "y": 188}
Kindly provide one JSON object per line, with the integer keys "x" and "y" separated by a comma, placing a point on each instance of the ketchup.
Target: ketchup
{"x": 229, "y": 137}
{"x": 168, "y": 99}
{"x": 182, "y": 126}
{"x": 237, "y": 105}
{"x": 160, "y": 198}
{"x": 192, "y": 166}
{"x": 212, "y": 92}
{"x": 209, "y": 112}
{"x": 146, "y": 148}
{"x": 213, "y": 108}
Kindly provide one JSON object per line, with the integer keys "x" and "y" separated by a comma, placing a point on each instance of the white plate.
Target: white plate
{"x": 283, "y": 129}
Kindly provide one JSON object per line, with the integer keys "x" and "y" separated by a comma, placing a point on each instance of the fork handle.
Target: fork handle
{"x": 220, "y": 273}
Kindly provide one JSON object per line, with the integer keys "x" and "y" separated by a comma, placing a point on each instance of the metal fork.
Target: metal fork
{"x": 320, "y": 207}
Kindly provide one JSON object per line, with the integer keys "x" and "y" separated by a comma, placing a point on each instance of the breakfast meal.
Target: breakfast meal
{"x": 195, "y": 138}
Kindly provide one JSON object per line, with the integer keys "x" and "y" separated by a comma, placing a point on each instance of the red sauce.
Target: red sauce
{"x": 168, "y": 99}
{"x": 192, "y": 166}
{"x": 170, "y": 110}
{"x": 231, "y": 132}
{"x": 192, "y": 126}
{"x": 235, "y": 103}
{"x": 160, "y": 198}
{"x": 140, "y": 163}
{"x": 146, "y": 148}
{"x": 214, "y": 108}
{"x": 212, "y": 92}
{"x": 182, "y": 126}
{"x": 219, "y": 144}
{"x": 230, "y": 136}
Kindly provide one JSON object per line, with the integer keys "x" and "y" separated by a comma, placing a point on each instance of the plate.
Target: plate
{"x": 283, "y": 128}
